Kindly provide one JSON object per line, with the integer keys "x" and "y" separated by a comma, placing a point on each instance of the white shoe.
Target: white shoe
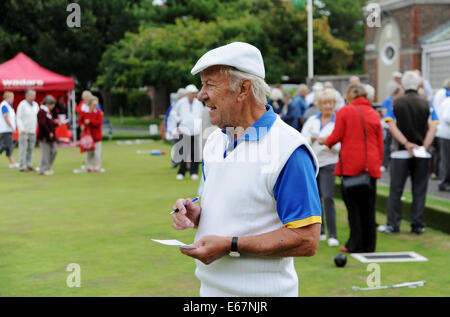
{"x": 332, "y": 242}
{"x": 180, "y": 177}
{"x": 48, "y": 172}
{"x": 15, "y": 165}
{"x": 323, "y": 237}
{"x": 194, "y": 176}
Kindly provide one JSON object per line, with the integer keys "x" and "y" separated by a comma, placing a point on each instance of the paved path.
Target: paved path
{"x": 432, "y": 186}
{"x": 130, "y": 130}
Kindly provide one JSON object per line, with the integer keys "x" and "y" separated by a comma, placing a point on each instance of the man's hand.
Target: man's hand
{"x": 86, "y": 121}
{"x": 186, "y": 217}
{"x": 209, "y": 248}
{"x": 322, "y": 141}
{"x": 410, "y": 147}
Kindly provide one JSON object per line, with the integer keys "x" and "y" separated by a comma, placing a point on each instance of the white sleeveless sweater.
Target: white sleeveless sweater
{"x": 238, "y": 201}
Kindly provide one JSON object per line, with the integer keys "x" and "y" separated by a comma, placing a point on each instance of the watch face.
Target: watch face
{"x": 235, "y": 254}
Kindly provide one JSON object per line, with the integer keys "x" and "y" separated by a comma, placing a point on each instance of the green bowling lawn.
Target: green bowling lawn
{"x": 104, "y": 222}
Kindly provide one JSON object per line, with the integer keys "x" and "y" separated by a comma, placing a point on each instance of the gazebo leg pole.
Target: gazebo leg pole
{"x": 74, "y": 117}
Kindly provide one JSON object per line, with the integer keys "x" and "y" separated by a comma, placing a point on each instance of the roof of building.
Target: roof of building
{"x": 390, "y": 5}
{"x": 441, "y": 34}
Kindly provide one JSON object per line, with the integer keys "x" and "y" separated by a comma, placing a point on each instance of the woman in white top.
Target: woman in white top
{"x": 322, "y": 125}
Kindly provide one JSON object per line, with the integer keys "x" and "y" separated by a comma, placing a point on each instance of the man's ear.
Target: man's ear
{"x": 245, "y": 88}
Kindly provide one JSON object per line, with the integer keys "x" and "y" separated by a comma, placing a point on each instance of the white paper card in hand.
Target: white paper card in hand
{"x": 174, "y": 243}
{"x": 421, "y": 152}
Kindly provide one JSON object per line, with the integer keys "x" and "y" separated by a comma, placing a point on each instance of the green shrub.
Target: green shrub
{"x": 139, "y": 103}
{"x": 119, "y": 101}
{"x": 130, "y": 102}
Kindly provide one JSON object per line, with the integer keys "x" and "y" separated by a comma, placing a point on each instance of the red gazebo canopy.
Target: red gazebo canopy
{"x": 21, "y": 73}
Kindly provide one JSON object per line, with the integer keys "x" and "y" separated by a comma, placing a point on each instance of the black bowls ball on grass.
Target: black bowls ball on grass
{"x": 340, "y": 260}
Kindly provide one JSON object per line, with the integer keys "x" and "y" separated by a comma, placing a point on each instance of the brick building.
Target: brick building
{"x": 407, "y": 28}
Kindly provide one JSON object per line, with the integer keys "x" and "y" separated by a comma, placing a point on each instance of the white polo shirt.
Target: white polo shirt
{"x": 189, "y": 115}
{"x": 27, "y": 116}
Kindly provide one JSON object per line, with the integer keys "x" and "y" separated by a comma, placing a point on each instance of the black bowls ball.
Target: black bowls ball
{"x": 340, "y": 260}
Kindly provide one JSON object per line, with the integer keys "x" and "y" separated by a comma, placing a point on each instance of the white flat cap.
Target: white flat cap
{"x": 190, "y": 89}
{"x": 243, "y": 56}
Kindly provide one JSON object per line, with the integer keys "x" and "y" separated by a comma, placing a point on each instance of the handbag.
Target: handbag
{"x": 361, "y": 180}
{"x": 86, "y": 141}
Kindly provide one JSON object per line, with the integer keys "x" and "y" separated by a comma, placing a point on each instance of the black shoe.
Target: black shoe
{"x": 443, "y": 188}
{"x": 419, "y": 230}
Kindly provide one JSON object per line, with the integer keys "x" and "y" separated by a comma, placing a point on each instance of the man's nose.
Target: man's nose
{"x": 201, "y": 96}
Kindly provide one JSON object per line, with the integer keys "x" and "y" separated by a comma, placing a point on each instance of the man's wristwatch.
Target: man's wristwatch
{"x": 234, "y": 247}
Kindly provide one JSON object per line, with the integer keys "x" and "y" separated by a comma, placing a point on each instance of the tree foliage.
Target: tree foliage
{"x": 38, "y": 28}
{"x": 172, "y": 38}
{"x": 345, "y": 18}
{"x": 164, "y": 42}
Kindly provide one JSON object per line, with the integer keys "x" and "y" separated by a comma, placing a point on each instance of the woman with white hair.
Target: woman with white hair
{"x": 322, "y": 125}
{"x": 311, "y": 101}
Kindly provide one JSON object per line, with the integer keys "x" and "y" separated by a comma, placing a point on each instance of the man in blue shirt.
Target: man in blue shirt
{"x": 291, "y": 116}
{"x": 395, "y": 90}
{"x": 300, "y": 103}
{"x": 7, "y": 127}
{"x": 268, "y": 216}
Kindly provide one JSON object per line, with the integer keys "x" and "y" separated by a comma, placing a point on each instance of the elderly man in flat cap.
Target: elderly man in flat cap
{"x": 260, "y": 205}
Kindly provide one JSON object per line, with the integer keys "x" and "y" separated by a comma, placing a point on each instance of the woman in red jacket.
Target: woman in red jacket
{"x": 93, "y": 121}
{"x": 354, "y": 160}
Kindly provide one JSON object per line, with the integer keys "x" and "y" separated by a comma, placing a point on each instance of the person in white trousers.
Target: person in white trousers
{"x": 27, "y": 123}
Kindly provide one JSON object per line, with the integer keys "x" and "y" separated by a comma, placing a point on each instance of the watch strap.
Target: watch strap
{"x": 234, "y": 244}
